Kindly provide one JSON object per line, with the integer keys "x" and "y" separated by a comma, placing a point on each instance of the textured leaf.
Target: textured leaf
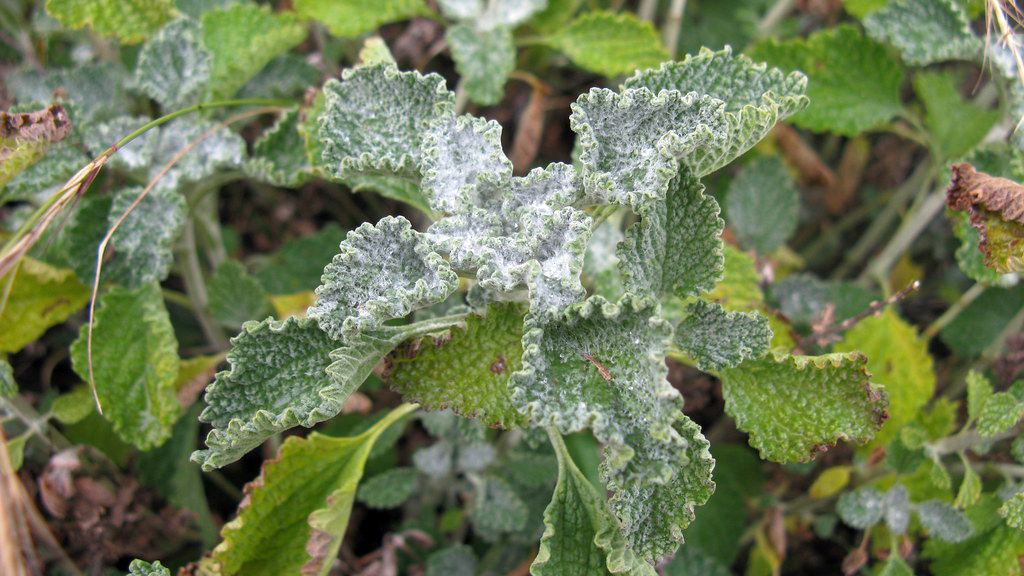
{"x": 677, "y": 247}
{"x": 222, "y": 148}
{"x": 135, "y": 364}
{"x": 497, "y": 508}
{"x": 897, "y": 509}
{"x": 956, "y": 125}
{"x": 279, "y": 156}
{"x": 752, "y": 107}
{"x": 297, "y": 510}
{"x": 718, "y": 24}
{"x": 8, "y": 387}
{"x": 174, "y": 67}
{"x": 740, "y": 289}
{"x": 98, "y": 90}
{"x": 351, "y": 18}
{"x": 993, "y": 550}
{"x": 374, "y": 120}
{"x": 468, "y": 372}
{"x": 970, "y": 489}
{"x": 129, "y": 21}
{"x": 457, "y": 153}
{"x": 142, "y": 247}
{"x": 299, "y": 263}
{"x": 898, "y": 359}
{"x": 484, "y": 59}
{"x": 763, "y": 205}
{"x": 796, "y": 406}
{"x": 389, "y": 489}
{"x": 242, "y": 39}
{"x": 40, "y": 297}
{"x": 718, "y": 339}
{"x": 135, "y": 157}
{"x": 999, "y": 412}
{"x": 25, "y": 137}
{"x": 996, "y": 209}
{"x": 457, "y": 560}
{"x": 862, "y": 508}
{"x": 382, "y": 272}
{"x": 46, "y": 176}
{"x": 943, "y": 521}
{"x": 854, "y": 85}
{"x": 581, "y": 536}
{"x": 610, "y": 44}
{"x": 969, "y": 256}
{"x": 1013, "y": 511}
{"x": 925, "y": 31}
{"x": 234, "y": 296}
{"x": 142, "y": 568}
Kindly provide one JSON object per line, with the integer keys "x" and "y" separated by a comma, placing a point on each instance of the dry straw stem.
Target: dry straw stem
{"x": 1003, "y": 18}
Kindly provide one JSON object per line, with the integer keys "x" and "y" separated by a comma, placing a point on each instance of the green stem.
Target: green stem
{"x": 950, "y": 314}
{"x": 195, "y": 287}
{"x": 967, "y": 440}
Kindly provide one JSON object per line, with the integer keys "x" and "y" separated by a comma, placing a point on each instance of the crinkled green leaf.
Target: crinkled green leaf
{"x": 389, "y": 489}
{"x": 718, "y": 339}
{"x": 468, "y": 372}
{"x": 677, "y": 247}
{"x": 925, "y": 31}
{"x": 351, "y": 18}
{"x": 497, "y": 508}
{"x": 457, "y": 153}
{"x": 174, "y": 67}
{"x": 98, "y": 90}
{"x": 752, "y": 106}
{"x": 46, "y": 176}
{"x": 287, "y": 77}
{"x": 610, "y": 44}
{"x": 993, "y": 550}
{"x": 234, "y": 296}
{"x": 297, "y": 510}
{"x": 457, "y": 560}
{"x": 581, "y": 536}
{"x": 142, "y": 568}
{"x": 956, "y": 125}
{"x": 1013, "y": 511}
{"x": 136, "y": 156}
{"x": 897, "y": 358}
{"x": 135, "y": 364}
{"x": 81, "y": 236}
{"x": 41, "y": 296}
{"x": 655, "y": 513}
{"x": 279, "y": 156}
{"x": 375, "y": 118}
{"x": 853, "y": 83}
{"x": 8, "y": 387}
{"x": 944, "y": 522}
{"x": 242, "y": 39}
{"x": 223, "y": 148}
{"x": 25, "y": 137}
{"x": 762, "y": 205}
{"x": 796, "y": 406}
{"x": 484, "y": 59}
{"x": 969, "y": 256}
{"x": 998, "y": 413}
{"x": 382, "y": 272}
{"x": 862, "y": 508}
{"x": 130, "y": 21}
{"x": 142, "y": 247}
{"x": 299, "y": 263}
{"x": 740, "y": 289}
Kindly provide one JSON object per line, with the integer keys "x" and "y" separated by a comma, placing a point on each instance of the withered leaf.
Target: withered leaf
{"x": 996, "y": 209}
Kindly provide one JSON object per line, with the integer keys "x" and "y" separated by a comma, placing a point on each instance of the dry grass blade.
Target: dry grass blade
{"x": 1003, "y": 19}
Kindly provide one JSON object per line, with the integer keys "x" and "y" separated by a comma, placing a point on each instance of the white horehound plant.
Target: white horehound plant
{"x": 538, "y": 349}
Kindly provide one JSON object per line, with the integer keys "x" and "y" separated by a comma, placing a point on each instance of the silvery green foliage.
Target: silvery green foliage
{"x": 862, "y": 508}
{"x": 866, "y": 507}
{"x": 457, "y": 560}
{"x": 174, "y": 66}
{"x": 897, "y": 509}
{"x": 717, "y": 338}
{"x": 222, "y": 148}
{"x": 943, "y": 521}
{"x": 763, "y": 205}
{"x": 143, "y": 244}
{"x": 925, "y": 31}
{"x": 383, "y": 272}
{"x": 142, "y": 568}
{"x": 279, "y": 156}
{"x": 135, "y": 157}
{"x": 97, "y": 89}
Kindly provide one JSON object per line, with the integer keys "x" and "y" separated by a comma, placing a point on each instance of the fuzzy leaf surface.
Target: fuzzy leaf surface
{"x": 468, "y": 373}
{"x": 581, "y": 536}
{"x": 142, "y": 568}
{"x": 8, "y": 386}
{"x": 457, "y": 153}
{"x": 763, "y": 205}
{"x": 998, "y": 412}
{"x": 853, "y": 83}
{"x": 39, "y": 180}
{"x": 375, "y": 118}
{"x": 235, "y": 297}
{"x": 755, "y": 96}
{"x": 98, "y": 90}
{"x": 41, "y": 296}
{"x": 382, "y": 272}
{"x": 388, "y": 489}
{"x": 297, "y": 510}
{"x": 130, "y": 21}
{"x": 718, "y": 339}
{"x": 352, "y": 18}
{"x": 677, "y": 247}
{"x": 221, "y": 149}
{"x": 279, "y": 156}
{"x": 174, "y": 67}
{"x": 992, "y": 550}
{"x": 795, "y": 406}
{"x": 1013, "y": 511}
{"x": 484, "y": 59}
{"x": 498, "y": 509}
{"x": 944, "y": 522}
{"x": 862, "y": 508}
{"x": 135, "y": 364}
{"x": 610, "y": 44}
{"x": 242, "y": 39}
{"x": 925, "y": 31}
{"x": 897, "y": 358}
{"x": 144, "y": 242}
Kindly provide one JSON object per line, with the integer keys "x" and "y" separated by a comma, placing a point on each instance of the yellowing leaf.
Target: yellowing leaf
{"x": 41, "y": 296}
{"x": 130, "y": 21}
{"x": 830, "y": 482}
{"x": 611, "y": 44}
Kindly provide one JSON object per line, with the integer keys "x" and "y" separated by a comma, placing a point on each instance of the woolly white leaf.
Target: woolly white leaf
{"x": 456, "y": 152}
{"x": 484, "y": 59}
{"x": 925, "y": 31}
{"x": 143, "y": 244}
{"x": 717, "y": 338}
{"x": 279, "y": 156}
{"x": 174, "y": 67}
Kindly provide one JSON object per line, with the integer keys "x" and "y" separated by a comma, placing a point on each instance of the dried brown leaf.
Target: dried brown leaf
{"x": 996, "y": 209}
